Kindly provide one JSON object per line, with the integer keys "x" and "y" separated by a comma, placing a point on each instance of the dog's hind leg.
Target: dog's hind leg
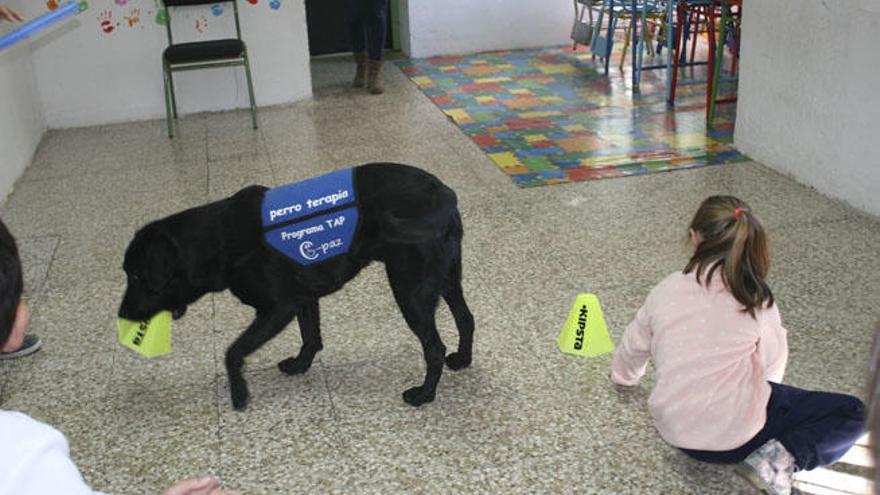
{"x": 417, "y": 291}
{"x": 464, "y": 320}
{"x": 266, "y": 325}
{"x": 310, "y": 328}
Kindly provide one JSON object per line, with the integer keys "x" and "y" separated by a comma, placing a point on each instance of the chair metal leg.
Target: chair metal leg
{"x": 670, "y": 51}
{"x": 612, "y": 25}
{"x": 676, "y": 56}
{"x": 696, "y": 28}
{"x": 173, "y": 96}
{"x": 644, "y": 36}
{"x": 712, "y": 61}
{"x": 597, "y": 30}
{"x": 715, "y": 75}
{"x": 247, "y": 71}
{"x": 626, "y": 35}
{"x": 165, "y": 78}
{"x": 661, "y": 37}
{"x": 687, "y": 23}
{"x": 635, "y": 42}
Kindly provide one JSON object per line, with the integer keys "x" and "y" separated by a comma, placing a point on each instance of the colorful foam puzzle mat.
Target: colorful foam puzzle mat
{"x": 550, "y": 116}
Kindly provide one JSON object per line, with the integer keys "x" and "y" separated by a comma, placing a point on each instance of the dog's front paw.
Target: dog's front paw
{"x": 294, "y": 366}
{"x": 417, "y": 396}
{"x": 240, "y": 396}
{"x": 457, "y": 361}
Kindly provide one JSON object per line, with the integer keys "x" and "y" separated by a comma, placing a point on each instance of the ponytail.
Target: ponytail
{"x": 733, "y": 241}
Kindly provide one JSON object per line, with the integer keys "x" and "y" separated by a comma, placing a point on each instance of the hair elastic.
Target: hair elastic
{"x": 738, "y": 211}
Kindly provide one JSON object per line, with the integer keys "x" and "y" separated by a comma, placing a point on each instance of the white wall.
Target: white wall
{"x": 809, "y": 100}
{"x": 87, "y": 76}
{"x": 464, "y": 26}
{"x": 21, "y": 119}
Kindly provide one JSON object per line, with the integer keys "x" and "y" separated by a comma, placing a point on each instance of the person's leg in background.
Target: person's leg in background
{"x": 376, "y": 16}
{"x": 354, "y": 14}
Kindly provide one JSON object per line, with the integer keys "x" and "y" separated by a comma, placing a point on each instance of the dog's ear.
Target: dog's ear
{"x": 160, "y": 259}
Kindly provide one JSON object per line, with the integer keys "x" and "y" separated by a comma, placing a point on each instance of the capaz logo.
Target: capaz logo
{"x": 307, "y": 251}
{"x": 139, "y": 336}
{"x": 582, "y": 325}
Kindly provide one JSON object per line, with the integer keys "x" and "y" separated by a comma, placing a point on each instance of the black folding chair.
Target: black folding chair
{"x": 209, "y": 54}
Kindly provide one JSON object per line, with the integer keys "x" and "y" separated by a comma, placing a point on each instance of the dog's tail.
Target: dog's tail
{"x": 432, "y": 219}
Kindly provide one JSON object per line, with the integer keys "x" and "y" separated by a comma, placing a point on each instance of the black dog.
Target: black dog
{"x": 408, "y": 219}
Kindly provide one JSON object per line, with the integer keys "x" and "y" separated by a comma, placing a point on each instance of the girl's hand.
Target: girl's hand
{"x": 618, "y": 385}
{"x": 10, "y": 15}
{"x": 197, "y": 486}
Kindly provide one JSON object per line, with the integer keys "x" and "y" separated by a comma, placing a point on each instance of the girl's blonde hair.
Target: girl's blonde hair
{"x": 733, "y": 241}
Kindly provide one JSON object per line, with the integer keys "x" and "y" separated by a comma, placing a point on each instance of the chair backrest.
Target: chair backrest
{"x": 195, "y": 3}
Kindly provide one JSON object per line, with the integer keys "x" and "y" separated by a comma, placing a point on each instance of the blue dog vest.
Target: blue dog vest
{"x": 313, "y": 220}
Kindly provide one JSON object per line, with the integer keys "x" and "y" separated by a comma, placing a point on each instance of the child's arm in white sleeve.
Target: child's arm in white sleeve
{"x": 631, "y": 358}
{"x": 35, "y": 459}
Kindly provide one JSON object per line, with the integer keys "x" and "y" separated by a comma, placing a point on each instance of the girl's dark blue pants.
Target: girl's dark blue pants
{"x": 817, "y": 428}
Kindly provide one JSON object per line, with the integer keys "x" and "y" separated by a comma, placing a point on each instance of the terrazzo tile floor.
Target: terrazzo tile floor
{"x": 523, "y": 419}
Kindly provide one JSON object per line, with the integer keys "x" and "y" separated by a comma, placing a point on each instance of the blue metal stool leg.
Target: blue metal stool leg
{"x": 609, "y": 41}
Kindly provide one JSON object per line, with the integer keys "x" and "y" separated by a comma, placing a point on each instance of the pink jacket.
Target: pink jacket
{"x": 712, "y": 362}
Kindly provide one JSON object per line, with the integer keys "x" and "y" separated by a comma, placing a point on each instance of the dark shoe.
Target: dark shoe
{"x": 374, "y": 77}
{"x": 31, "y": 344}
{"x": 360, "y": 59}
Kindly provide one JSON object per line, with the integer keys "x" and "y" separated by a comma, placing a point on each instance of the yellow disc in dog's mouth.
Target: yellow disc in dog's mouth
{"x": 149, "y": 338}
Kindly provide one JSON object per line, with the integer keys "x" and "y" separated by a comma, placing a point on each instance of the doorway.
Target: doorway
{"x": 328, "y": 28}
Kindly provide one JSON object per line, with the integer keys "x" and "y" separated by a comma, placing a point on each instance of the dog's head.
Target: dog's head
{"x": 157, "y": 278}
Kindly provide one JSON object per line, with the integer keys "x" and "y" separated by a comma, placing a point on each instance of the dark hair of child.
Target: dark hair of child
{"x": 10, "y": 282}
